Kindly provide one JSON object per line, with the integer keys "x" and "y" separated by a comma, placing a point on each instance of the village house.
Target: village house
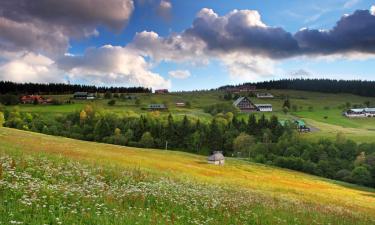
{"x": 245, "y": 105}
{"x": 241, "y": 89}
{"x": 161, "y": 91}
{"x": 360, "y": 112}
{"x": 301, "y": 126}
{"x": 264, "y": 95}
{"x": 264, "y": 107}
{"x": 180, "y": 104}
{"x": 217, "y": 158}
{"x": 157, "y": 107}
{"x": 30, "y": 99}
{"x": 83, "y": 96}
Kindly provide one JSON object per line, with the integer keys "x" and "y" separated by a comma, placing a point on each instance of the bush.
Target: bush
{"x": 361, "y": 175}
{"x": 220, "y": 108}
{"x": 112, "y": 102}
{"x": 9, "y": 99}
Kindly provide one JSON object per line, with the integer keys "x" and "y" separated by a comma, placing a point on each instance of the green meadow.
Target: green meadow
{"x": 54, "y": 180}
{"x": 320, "y": 110}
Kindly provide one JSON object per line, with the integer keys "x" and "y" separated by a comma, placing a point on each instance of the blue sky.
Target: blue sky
{"x": 81, "y": 58}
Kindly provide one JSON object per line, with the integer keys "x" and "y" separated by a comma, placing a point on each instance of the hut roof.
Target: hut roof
{"x": 216, "y": 156}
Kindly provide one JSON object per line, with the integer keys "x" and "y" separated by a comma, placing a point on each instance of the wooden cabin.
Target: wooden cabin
{"x": 245, "y": 105}
{"x": 216, "y": 158}
{"x": 157, "y": 107}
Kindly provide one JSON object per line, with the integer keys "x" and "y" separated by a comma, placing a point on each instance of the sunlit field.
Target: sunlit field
{"x": 320, "y": 110}
{"x": 46, "y": 179}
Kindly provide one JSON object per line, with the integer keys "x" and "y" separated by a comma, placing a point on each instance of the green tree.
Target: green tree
{"x": 215, "y": 139}
{"x": 286, "y": 103}
{"x": 2, "y": 119}
{"x": 111, "y": 102}
{"x": 147, "y": 140}
{"x": 242, "y": 144}
{"x": 108, "y": 95}
{"x": 137, "y": 102}
{"x": 285, "y": 110}
{"x": 361, "y": 175}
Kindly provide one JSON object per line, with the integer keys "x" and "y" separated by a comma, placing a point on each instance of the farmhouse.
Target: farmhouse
{"x": 264, "y": 95}
{"x": 216, "y": 158}
{"x": 361, "y": 112}
{"x": 157, "y": 107}
{"x": 301, "y": 126}
{"x": 264, "y": 107}
{"x": 180, "y": 104}
{"x": 30, "y": 99}
{"x": 245, "y": 105}
{"x": 161, "y": 91}
{"x": 242, "y": 88}
{"x": 83, "y": 95}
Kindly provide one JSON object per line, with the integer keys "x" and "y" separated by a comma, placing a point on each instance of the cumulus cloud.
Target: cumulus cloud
{"x": 300, "y": 73}
{"x": 249, "y": 48}
{"x": 46, "y": 26}
{"x": 240, "y": 40}
{"x": 179, "y": 74}
{"x": 352, "y": 33}
{"x": 31, "y": 67}
{"x": 112, "y": 65}
{"x": 164, "y": 9}
{"x": 372, "y": 10}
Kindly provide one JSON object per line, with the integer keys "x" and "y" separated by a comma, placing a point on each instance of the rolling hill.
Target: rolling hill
{"x": 238, "y": 192}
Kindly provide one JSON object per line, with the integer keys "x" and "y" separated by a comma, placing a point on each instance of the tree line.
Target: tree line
{"x": 262, "y": 139}
{"x": 357, "y": 87}
{"x": 8, "y": 87}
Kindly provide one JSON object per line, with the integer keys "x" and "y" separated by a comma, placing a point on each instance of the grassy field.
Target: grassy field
{"x": 321, "y": 110}
{"x": 46, "y": 179}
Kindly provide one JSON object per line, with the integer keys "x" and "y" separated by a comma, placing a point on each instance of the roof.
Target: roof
{"x": 363, "y": 110}
{"x": 216, "y": 156}
{"x": 80, "y": 93}
{"x": 263, "y": 105}
{"x": 240, "y": 99}
{"x": 300, "y": 123}
{"x": 156, "y": 106}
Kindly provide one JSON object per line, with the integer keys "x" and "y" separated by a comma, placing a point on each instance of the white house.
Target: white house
{"x": 216, "y": 158}
{"x": 264, "y": 107}
{"x": 264, "y": 95}
{"x": 361, "y": 112}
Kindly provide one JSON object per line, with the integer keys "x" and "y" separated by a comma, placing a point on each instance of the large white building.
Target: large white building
{"x": 361, "y": 112}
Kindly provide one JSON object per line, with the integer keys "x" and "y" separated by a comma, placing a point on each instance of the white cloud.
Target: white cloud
{"x": 180, "y": 74}
{"x": 31, "y": 67}
{"x": 164, "y": 9}
{"x": 300, "y": 73}
{"x": 350, "y": 3}
{"x": 372, "y": 10}
{"x": 112, "y": 65}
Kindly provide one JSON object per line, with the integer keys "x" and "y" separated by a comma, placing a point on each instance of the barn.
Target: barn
{"x": 216, "y": 158}
{"x": 245, "y": 105}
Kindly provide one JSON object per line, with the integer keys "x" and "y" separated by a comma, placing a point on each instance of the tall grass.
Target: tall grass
{"x": 44, "y": 189}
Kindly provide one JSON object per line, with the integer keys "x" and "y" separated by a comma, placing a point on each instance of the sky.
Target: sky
{"x": 185, "y": 45}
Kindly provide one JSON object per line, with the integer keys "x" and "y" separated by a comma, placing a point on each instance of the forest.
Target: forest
{"x": 7, "y": 87}
{"x": 260, "y": 140}
{"x": 356, "y": 87}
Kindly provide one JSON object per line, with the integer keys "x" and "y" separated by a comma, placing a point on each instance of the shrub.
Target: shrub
{"x": 112, "y": 102}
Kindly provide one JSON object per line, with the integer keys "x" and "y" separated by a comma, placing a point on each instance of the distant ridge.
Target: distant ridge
{"x": 7, "y": 87}
{"x": 357, "y": 87}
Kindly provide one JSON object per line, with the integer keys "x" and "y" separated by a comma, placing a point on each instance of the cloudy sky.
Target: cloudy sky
{"x": 185, "y": 45}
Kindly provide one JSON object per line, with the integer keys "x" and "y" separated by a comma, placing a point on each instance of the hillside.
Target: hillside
{"x": 320, "y": 110}
{"x": 275, "y": 195}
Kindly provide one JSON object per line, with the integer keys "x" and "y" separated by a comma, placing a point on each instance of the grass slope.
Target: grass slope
{"x": 327, "y": 109}
{"x": 238, "y": 192}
